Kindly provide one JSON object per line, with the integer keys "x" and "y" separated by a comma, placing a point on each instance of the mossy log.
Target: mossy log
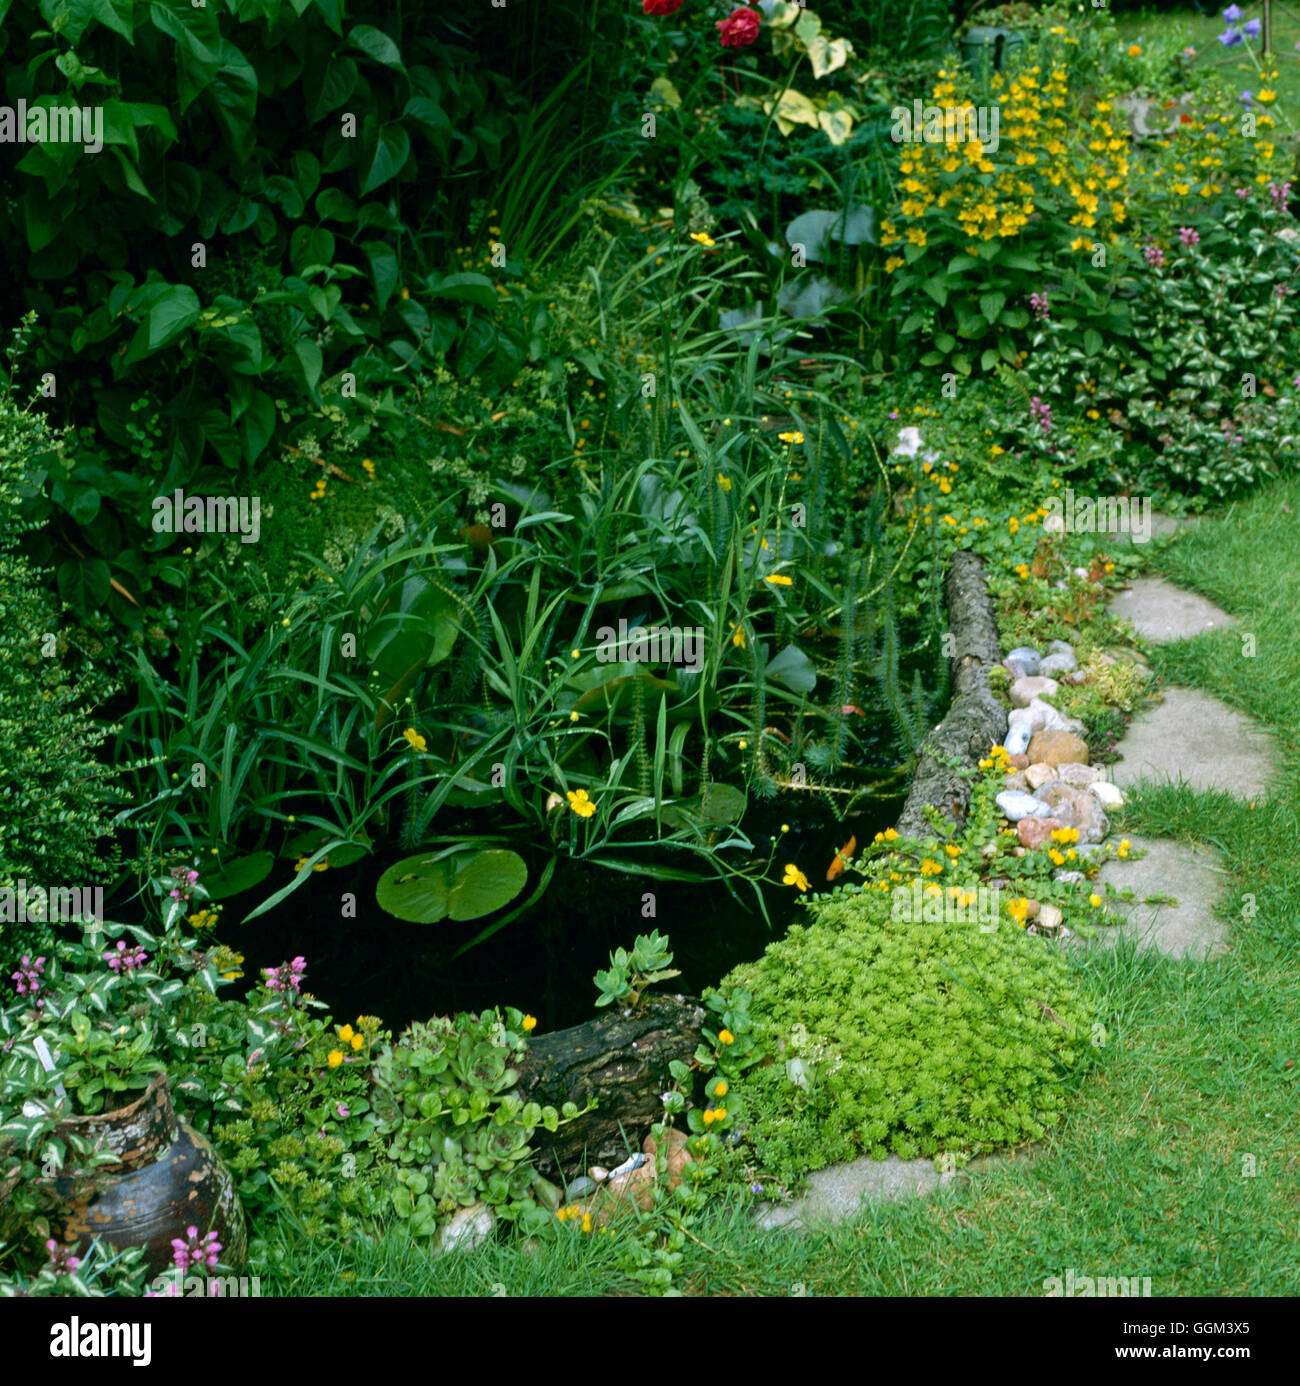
{"x": 976, "y": 719}
{"x": 620, "y": 1060}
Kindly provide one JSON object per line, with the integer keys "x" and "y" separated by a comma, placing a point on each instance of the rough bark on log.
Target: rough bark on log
{"x": 621, "y": 1061}
{"x": 976, "y": 719}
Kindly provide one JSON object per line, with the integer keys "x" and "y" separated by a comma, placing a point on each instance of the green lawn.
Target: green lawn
{"x": 1151, "y": 1173}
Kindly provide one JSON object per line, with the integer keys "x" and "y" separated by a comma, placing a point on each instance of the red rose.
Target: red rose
{"x": 739, "y": 29}
{"x": 662, "y": 6}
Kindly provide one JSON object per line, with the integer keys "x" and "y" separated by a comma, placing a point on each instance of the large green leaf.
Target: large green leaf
{"x": 392, "y": 150}
{"x": 241, "y": 874}
{"x": 426, "y": 888}
{"x": 171, "y": 314}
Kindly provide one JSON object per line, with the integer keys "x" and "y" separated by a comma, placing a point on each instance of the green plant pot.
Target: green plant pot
{"x": 985, "y": 48}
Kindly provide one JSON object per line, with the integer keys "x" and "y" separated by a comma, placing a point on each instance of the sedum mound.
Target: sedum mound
{"x": 911, "y": 1037}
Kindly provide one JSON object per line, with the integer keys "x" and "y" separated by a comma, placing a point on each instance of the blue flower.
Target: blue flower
{"x": 1230, "y": 39}
{"x": 1251, "y": 28}
{"x": 1232, "y": 14}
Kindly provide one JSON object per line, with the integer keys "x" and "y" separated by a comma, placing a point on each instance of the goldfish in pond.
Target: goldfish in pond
{"x": 841, "y": 859}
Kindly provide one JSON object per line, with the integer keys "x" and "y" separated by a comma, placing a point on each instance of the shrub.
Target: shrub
{"x": 53, "y": 789}
{"x": 910, "y": 1037}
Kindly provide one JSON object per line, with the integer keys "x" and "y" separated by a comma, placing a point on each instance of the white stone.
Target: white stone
{"x": 1107, "y": 794}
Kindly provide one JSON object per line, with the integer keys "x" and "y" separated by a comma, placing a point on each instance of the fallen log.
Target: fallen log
{"x": 976, "y": 720}
{"x": 621, "y": 1061}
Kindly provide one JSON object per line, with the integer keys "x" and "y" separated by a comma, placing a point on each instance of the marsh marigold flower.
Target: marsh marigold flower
{"x": 580, "y": 802}
{"x": 417, "y": 741}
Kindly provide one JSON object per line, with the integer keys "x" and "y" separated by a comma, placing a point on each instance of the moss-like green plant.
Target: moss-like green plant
{"x": 905, "y": 1036}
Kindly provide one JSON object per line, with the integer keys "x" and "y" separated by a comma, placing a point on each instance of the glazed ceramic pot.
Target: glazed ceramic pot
{"x": 166, "y": 1178}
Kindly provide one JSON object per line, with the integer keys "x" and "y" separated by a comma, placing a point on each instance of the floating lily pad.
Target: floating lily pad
{"x": 426, "y": 888}
{"x": 241, "y": 874}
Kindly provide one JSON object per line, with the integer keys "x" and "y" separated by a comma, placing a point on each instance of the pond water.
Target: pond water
{"x": 542, "y": 962}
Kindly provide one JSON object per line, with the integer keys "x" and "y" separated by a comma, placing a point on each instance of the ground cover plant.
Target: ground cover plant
{"x": 480, "y": 483}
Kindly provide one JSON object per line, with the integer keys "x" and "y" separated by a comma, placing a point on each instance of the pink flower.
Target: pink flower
{"x": 740, "y": 28}
{"x": 661, "y": 7}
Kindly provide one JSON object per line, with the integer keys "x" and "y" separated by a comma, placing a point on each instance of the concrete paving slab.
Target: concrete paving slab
{"x": 1197, "y": 737}
{"x": 1161, "y": 612}
{"x": 1193, "y": 875}
{"x": 836, "y": 1193}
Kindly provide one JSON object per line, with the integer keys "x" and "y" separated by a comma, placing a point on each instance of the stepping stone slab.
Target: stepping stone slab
{"x": 1209, "y": 744}
{"x": 1161, "y": 612}
{"x": 836, "y": 1193}
{"x": 1193, "y": 875}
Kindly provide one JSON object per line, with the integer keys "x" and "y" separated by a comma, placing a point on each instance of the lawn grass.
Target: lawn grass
{"x": 1199, "y": 1084}
{"x": 1201, "y": 32}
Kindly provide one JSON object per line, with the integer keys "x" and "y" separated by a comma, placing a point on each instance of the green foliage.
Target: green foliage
{"x": 54, "y": 791}
{"x": 907, "y": 1037}
{"x": 1203, "y": 379}
{"x": 629, "y": 974}
{"x": 460, "y": 1134}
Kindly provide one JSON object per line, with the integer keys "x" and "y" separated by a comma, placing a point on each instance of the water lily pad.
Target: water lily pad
{"x": 241, "y": 874}
{"x": 426, "y": 888}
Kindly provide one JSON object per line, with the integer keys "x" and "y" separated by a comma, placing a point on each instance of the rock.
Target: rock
{"x": 1016, "y": 780}
{"x": 1060, "y": 647}
{"x": 1049, "y": 919}
{"x": 467, "y": 1228}
{"x": 1031, "y": 909}
{"x": 677, "y": 1144}
{"x": 1033, "y": 832}
{"x": 1058, "y": 748}
{"x": 1034, "y": 717}
{"x": 1106, "y": 794}
{"x": 1017, "y": 738}
{"x": 1016, "y": 805}
{"x": 1038, "y": 774}
{"x": 1076, "y": 808}
{"x": 1057, "y": 664}
{"x": 1014, "y": 671}
{"x": 1019, "y": 760}
{"x": 581, "y": 1187}
{"x": 1068, "y": 877}
{"x": 1080, "y": 776}
{"x": 1027, "y": 657}
{"x": 1024, "y": 691}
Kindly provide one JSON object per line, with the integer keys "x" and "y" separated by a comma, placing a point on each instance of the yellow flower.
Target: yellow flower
{"x": 345, "y": 1033}
{"x": 1135, "y": 50}
{"x": 1057, "y": 858}
{"x": 724, "y": 482}
{"x": 1264, "y": 97}
{"x": 299, "y": 864}
{"x": 1094, "y": 900}
{"x": 358, "y": 1041}
{"x": 996, "y": 451}
{"x": 708, "y": 1118}
{"x": 795, "y": 437}
{"x": 586, "y": 1222}
{"x": 721, "y": 1089}
{"x": 890, "y": 834}
{"x": 793, "y": 876}
{"x": 1022, "y": 570}
{"x": 701, "y": 239}
{"x": 738, "y": 638}
{"x": 530, "y": 1023}
{"x": 953, "y": 850}
{"x": 931, "y": 868}
{"x": 893, "y": 263}
{"x": 580, "y": 803}
{"x": 406, "y": 293}
{"x": 369, "y": 467}
{"x": 720, "y": 1114}
{"x": 726, "y": 1037}
{"x": 414, "y": 737}
{"x": 335, "y": 1058}
{"x": 778, "y": 579}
